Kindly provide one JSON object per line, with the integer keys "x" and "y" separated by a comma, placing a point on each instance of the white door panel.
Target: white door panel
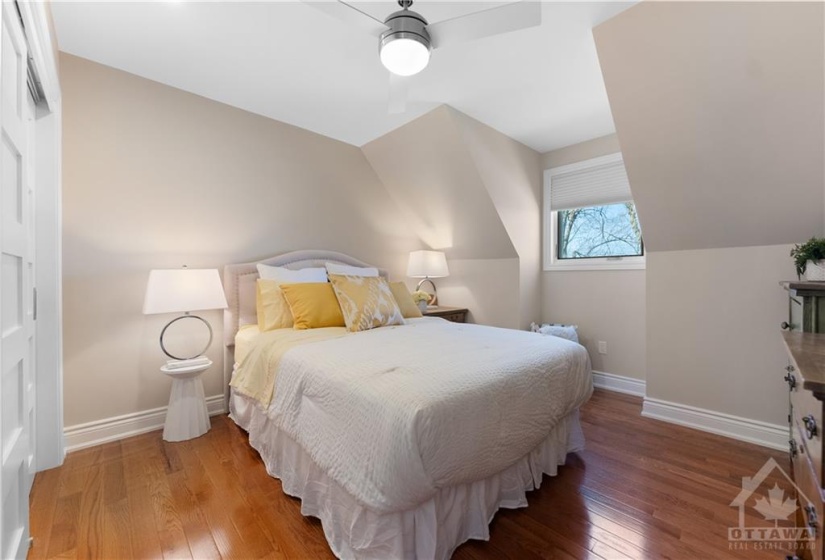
{"x": 29, "y": 292}
{"x": 16, "y": 277}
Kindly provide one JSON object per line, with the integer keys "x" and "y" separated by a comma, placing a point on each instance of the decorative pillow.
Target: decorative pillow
{"x": 287, "y": 275}
{"x": 404, "y": 300}
{"x": 273, "y": 310}
{"x": 568, "y": 332}
{"x": 366, "y": 301}
{"x": 313, "y": 305}
{"x": 343, "y": 269}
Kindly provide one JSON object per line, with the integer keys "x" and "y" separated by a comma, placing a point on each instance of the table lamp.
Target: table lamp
{"x": 428, "y": 265}
{"x": 184, "y": 290}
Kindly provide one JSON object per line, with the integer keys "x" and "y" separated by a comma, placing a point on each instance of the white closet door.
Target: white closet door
{"x": 16, "y": 289}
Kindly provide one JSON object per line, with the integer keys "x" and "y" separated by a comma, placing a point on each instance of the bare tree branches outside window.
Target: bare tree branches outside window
{"x": 599, "y": 231}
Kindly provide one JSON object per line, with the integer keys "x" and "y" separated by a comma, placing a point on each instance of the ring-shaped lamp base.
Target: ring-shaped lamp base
{"x": 433, "y": 300}
{"x": 176, "y": 319}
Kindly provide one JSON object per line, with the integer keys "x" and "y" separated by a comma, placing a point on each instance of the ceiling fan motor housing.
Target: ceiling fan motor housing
{"x": 405, "y": 24}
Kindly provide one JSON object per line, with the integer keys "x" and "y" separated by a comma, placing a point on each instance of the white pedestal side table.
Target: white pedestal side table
{"x": 186, "y": 417}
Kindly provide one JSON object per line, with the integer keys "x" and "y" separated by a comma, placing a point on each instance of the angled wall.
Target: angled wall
{"x": 511, "y": 173}
{"x": 428, "y": 169}
{"x": 719, "y": 111}
{"x": 430, "y": 172}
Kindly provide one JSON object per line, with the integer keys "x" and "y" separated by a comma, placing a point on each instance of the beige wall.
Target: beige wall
{"x": 472, "y": 192}
{"x": 428, "y": 170}
{"x": 487, "y": 287}
{"x": 607, "y": 305}
{"x": 719, "y": 110}
{"x": 579, "y": 152}
{"x": 512, "y": 175}
{"x": 713, "y": 329}
{"x": 154, "y": 178}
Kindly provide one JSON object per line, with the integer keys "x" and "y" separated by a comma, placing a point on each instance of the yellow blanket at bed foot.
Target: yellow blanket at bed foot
{"x": 257, "y": 373}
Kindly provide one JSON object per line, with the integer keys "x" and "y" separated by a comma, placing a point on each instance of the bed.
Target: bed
{"x": 405, "y": 440}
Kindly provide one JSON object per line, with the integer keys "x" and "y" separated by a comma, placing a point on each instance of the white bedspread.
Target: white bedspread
{"x": 395, "y": 413}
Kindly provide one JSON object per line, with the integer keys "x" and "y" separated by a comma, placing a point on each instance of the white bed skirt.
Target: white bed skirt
{"x": 430, "y": 531}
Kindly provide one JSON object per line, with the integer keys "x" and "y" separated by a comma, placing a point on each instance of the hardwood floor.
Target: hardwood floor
{"x": 642, "y": 489}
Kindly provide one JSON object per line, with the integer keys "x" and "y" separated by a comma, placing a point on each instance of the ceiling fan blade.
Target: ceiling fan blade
{"x": 349, "y": 14}
{"x": 510, "y": 17}
{"x": 399, "y": 90}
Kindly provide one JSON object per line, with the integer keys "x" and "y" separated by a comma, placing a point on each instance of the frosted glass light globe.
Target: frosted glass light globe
{"x": 405, "y": 57}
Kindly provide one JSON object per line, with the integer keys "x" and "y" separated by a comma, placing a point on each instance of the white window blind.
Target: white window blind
{"x": 596, "y": 185}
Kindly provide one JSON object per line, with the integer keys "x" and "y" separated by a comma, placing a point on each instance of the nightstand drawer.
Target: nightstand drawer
{"x": 454, "y": 314}
{"x": 455, "y": 317}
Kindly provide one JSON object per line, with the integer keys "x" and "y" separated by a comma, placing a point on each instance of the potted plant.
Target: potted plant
{"x": 809, "y": 259}
{"x": 421, "y": 299}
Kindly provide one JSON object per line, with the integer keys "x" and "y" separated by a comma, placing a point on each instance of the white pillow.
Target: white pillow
{"x": 289, "y": 276}
{"x": 345, "y": 270}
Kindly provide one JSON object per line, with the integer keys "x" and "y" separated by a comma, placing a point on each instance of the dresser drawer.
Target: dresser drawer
{"x": 810, "y": 503}
{"x": 806, "y": 412}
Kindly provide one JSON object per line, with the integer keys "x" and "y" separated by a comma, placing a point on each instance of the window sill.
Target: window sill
{"x": 601, "y": 265}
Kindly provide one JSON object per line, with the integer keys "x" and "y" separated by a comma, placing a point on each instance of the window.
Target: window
{"x": 590, "y": 220}
{"x": 599, "y": 231}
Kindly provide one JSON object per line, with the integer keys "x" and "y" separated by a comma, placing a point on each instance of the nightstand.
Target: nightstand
{"x": 186, "y": 417}
{"x": 454, "y": 314}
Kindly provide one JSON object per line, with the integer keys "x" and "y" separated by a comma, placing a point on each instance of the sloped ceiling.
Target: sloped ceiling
{"x": 427, "y": 168}
{"x": 719, "y": 111}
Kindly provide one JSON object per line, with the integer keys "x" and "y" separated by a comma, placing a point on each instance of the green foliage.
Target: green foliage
{"x": 811, "y": 250}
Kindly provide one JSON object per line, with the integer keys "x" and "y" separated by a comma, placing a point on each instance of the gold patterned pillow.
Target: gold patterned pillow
{"x": 366, "y": 302}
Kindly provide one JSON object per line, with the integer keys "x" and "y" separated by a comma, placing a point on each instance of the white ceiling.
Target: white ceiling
{"x": 290, "y": 62}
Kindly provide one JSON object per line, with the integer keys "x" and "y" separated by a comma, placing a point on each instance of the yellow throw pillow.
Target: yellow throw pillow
{"x": 313, "y": 305}
{"x": 366, "y": 302}
{"x": 273, "y": 310}
{"x": 404, "y": 299}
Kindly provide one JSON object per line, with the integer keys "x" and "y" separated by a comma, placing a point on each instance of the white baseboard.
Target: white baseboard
{"x": 736, "y": 427}
{"x": 89, "y": 434}
{"x": 619, "y": 383}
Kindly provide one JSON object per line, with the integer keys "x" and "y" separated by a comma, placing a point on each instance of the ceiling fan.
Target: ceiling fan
{"x": 406, "y": 39}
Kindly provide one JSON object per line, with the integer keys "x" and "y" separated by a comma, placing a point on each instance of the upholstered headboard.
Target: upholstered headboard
{"x": 239, "y": 284}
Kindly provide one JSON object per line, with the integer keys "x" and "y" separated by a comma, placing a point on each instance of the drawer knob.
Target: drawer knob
{"x": 791, "y": 381}
{"x": 794, "y": 448}
{"x": 784, "y": 325}
{"x": 810, "y": 517}
{"x": 810, "y": 426}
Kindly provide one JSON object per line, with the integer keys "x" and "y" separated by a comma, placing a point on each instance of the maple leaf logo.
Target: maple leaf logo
{"x": 776, "y": 507}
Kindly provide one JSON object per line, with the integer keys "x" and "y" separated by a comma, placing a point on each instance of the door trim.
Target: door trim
{"x": 50, "y": 444}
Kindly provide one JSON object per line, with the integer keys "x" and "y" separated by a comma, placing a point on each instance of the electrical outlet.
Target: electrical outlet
{"x": 602, "y": 347}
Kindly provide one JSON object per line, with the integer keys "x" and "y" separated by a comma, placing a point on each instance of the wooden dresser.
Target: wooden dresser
{"x": 804, "y": 338}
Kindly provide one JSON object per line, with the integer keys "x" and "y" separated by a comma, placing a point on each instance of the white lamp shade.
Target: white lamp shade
{"x": 183, "y": 289}
{"x": 427, "y": 264}
{"x": 405, "y": 57}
